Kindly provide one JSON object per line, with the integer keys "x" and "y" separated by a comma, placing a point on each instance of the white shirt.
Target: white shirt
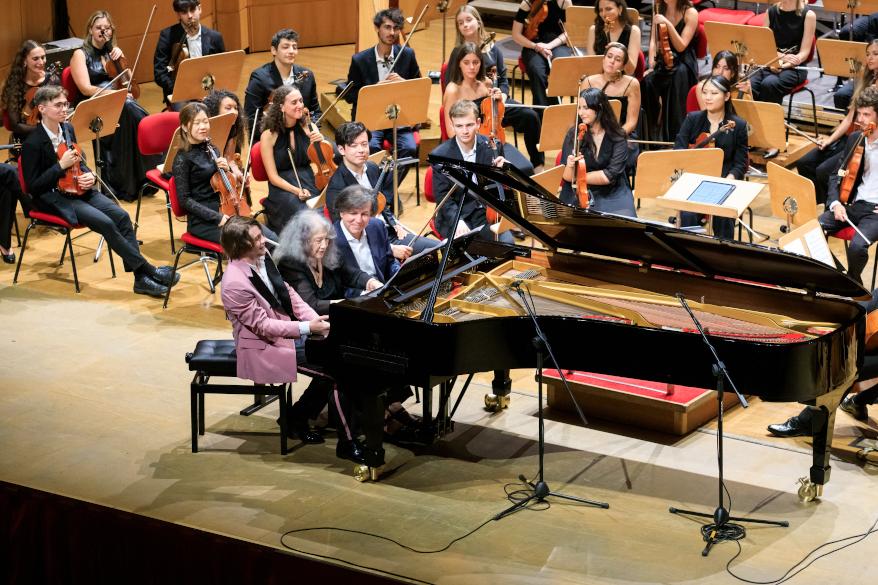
{"x": 361, "y": 251}
{"x": 468, "y": 156}
{"x": 362, "y": 179}
{"x": 259, "y": 268}
{"x": 55, "y": 138}
{"x": 868, "y": 189}
{"x": 383, "y": 66}
{"x": 194, "y": 43}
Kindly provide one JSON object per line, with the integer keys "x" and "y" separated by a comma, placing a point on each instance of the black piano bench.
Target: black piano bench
{"x": 216, "y": 357}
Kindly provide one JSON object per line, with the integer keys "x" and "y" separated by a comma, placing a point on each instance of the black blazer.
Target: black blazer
{"x": 336, "y": 282}
{"x": 211, "y": 44}
{"x": 473, "y": 212}
{"x": 364, "y": 71}
{"x": 266, "y": 79}
{"x": 732, "y": 143}
{"x": 41, "y": 170}
{"x": 343, "y": 177}
{"x": 835, "y": 180}
{"x": 385, "y": 264}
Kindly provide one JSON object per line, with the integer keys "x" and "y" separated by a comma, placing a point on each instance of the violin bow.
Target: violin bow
{"x": 295, "y": 172}
{"x": 140, "y": 49}
{"x": 250, "y": 152}
{"x": 408, "y": 38}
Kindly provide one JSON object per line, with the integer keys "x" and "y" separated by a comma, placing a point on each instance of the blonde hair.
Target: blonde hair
{"x": 87, "y": 44}
{"x": 475, "y": 14}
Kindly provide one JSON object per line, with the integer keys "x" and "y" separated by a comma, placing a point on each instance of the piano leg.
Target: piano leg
{"x": 371, "y": 411}
{"x": 501, "y": 388}
{"x": 822, "y": 427}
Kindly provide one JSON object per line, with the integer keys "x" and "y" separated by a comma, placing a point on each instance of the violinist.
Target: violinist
{"x": 43, "y": 169}
{"x": 470, "y": 29}
{"x": 793, "y": 24}
{"x": 716, "y": 94}
{"x": 194, "y": 167}
{"x": 126, "y": 167}
{"x": 283, "y": 145}
{"x": 664, "y": 85}
{"x": 187, "y": 38}
{"x": 282, "y": 70}
{"x": 27, "y": 73}
{"x": 541, "y": 44}
{"x": 222, "y": 101}
{"x": 611, "y": 25}
{"x": 604, "y": 148}
{"x": 352, "y": 140}
{"x": 860, "y": 205}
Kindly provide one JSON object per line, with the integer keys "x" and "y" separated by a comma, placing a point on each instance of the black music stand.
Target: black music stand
{"x": 720, "y": 529}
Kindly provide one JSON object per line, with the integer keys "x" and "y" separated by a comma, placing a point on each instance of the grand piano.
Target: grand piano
{"x": 604, "y": 288}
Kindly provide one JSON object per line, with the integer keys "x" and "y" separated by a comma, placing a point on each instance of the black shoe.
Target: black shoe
{"x": 792, "y": 428}
{"x": 852, "y": 408}
{"x": 144, "y": 285}
{"x": 352, "y": 450}
{"x": 163, "y": 275}
{"x": 8, "y": 258}
{"x": 300, "y": 429}
{"x": 373, "y": 457}
{"x": 518, "y": 234}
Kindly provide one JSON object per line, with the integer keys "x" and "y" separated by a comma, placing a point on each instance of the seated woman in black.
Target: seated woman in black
{"x": 222, "y": 101}
{"x": 27, "y": 73}
{"x": 611, "y": 25}
{"x": 193, "y": 168}
{"x": 605, "y": 148}
{"x": 716, "y": 95}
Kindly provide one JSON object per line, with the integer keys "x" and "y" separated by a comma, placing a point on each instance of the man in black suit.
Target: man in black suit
{"x": 198, "y": 40}
{"x": 281, "y": 71}
{"x": 371, "y": 66}
{"x": 352, "y": 140}
{"x": 471, "y": 146}
{"x": 42, "y": 169}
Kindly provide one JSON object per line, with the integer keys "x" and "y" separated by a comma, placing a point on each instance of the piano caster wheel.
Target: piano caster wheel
{"x": 364, "y": 473}
{"x": 494, "y": 403}
{"x": 808, "y": 492}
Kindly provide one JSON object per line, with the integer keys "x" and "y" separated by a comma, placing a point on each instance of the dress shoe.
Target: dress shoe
{"x": 792, "y": 428}
{"x": 8, "y": 258}
{"x": 518, "y": 234}
{"x": 852, "y": 408}
{"x": 351, "y": 450}
{"x": 144, "y": 285}
{"x": 299, "y": 429}
{"x": 163, "y": 275}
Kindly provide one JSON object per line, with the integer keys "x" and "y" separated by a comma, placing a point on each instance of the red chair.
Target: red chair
{"x": 700, "y": 43}
{"x": 640, "y": 67}
{"x": 725, "y": 15}
{"x": 442, "y": 81}
{"x": 73, "y": 95}
{"x": 154, "y": 135}
{"x": 430, "y": 196}
{"x": 417, "y": 164}
{"x": 191, "y": 245}
{"x": 54, "y": 223}
{"x": 692, "y": 100}
{"x": 443, "y": 134}
{"x": 847, "y": 234}
{"x": 758, "y": 19}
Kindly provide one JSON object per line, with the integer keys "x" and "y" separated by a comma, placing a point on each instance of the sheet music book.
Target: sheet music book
{"x": 808, "y": 240}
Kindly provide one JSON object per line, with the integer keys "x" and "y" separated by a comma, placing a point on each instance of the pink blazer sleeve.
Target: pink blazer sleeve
{"x": 240, "y": 302}
{"x": 301, "y": 309}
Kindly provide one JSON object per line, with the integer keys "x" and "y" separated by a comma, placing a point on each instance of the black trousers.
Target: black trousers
{"x": 864, "y": 216}
{"x": 772, "y": 87}
{"x": 10, "y": 194}
{"x": 527, "y": 122}
{"x": 818, "y": 165}
{"x": 538, "y": 73}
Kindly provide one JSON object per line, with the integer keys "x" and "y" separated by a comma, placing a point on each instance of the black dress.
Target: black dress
{"x": 335, "y": 282}
{"x": 788, "y": 28}
{"x": 536, "y": 65}
{"x": 126, "y": 167}
{"x": 281, "y": 206}
{"x": 664, "y": 91}
{"x": 192, "y": 172}
{"x": 600, "y": 44}
{"x": 615, "y": 197}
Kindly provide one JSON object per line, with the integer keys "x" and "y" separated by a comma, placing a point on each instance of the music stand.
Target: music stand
{"x": 567, "y": 71}
{"x": 550, "y": 179}
{"x": 809, "y": 240}
{"x": 851, "y": 8}
{"x": 557, "y": 120}
{"x": 657, "y": 170}
{"x": 220, "y": 126}
{"x": 740, "y": 199}
{"x": 746, "y": 41}
{"x": 841, "y": 58}
{"x": 394, "y": 104}
{"x": 197, "y": 76}
{"x": 792, "y": 197}
{"x": 766, "y": 130}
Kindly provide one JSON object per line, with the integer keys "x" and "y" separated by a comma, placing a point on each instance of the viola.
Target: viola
{"x": 227, "y": 186}
{"x": 69, "y": 183}
{"x": 580, "y": 173}
{"x": 538, "y": 13}
{"x": 31, "y": 114}
{"x": 493, "y": 111}
{"x": 114, "y": 67}
{"x": 854, "y": 160}
{"x": 321, "y": 155}
{"x": 663, "y": 40}
{"x": 704, "y": 139}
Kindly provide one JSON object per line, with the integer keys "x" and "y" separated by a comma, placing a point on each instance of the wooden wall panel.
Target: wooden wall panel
{"x": 319, "y": 22}
{"x": 22, "y": 19}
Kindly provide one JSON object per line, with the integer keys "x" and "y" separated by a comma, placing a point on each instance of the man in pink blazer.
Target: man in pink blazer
{"x": 262, "y": 309}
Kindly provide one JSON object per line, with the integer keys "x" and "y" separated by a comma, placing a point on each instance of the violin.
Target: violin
{"x": 852, "y": 165}
{"x": 114, "y": 67}
{"x": 179, "y": 53}
{"x": 705, "y": 139}
{"x": 320, "y": 154}
{"x": 227, "y": 186}
{"x": 493, "y": 111}
{"x": 31, "y": 114}
{"x": 538, "y": 13}
{"x": 380, "y": 198}
{"x": 69, "y": 183}
{"x": 663, "y": 40}
{"x": 580, "y": 173}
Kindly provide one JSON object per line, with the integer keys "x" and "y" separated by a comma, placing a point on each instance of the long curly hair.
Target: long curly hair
{"x": 601, "y": 36}
{"x": 239, "y": 129}
{"x": 273, "y": 120}
{"x": 87, "y": 44}
{"x": 12, "y": 98}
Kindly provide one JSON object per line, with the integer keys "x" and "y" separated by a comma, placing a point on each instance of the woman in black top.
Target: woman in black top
{"x": 284, "y": 143}
{"x": 537, "y": 54}
{"x": 719, "y": 111}
{"x": 605, "y": 149}
{"x": 222, "y": 101}
{"x": 793, "y": 25}
{"x": 28, "y": 71}
{"x": 611, "y": 25}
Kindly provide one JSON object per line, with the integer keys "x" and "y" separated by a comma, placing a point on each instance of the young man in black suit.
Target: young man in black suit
{"x": 371, "y": 66}
{"x": 198, "y": 40}
{"x": 42, "y": 169}
{"x": 282, "y": 70}
{"x": 352, "y": 140}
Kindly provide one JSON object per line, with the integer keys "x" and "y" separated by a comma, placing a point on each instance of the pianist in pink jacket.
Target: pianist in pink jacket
{"x": 261, "y": 307}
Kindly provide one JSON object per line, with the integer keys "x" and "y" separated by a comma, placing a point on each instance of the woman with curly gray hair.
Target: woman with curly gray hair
{"x": 309, "y": 261}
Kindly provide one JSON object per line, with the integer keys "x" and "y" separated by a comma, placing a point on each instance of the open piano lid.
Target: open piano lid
{"x": 642, "y": 241}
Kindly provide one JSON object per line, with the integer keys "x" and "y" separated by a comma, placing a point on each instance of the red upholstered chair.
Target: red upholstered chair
{"x": 640, "y": 67}
{"x": 700, "y": 43}
{"x": 389, "y": 148}
{"x": 154, "y": 135}
{"x": 430, "y": 196}
{"x": 760, "y": 19}
{"x": 725, "y": 15}
{"x": 443, "y": 135}
{"x": 191, "y": 245}
{"x": 257, "y": 167}
{"x": 54, "y": 223}
{"x": 73, "y": 95}
{"x": 847, "y": 234}
{"x": 7, "y": 123}
{"x": 442, "y": 81}
{"x": 692, "y": 100}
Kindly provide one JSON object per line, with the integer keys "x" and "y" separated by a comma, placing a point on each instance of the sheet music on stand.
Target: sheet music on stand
{"x": 808, "y": 240}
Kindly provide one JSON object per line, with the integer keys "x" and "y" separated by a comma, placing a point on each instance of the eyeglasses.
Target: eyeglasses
{"x": 103, "y": 29}
{"x": 61, "y": 105}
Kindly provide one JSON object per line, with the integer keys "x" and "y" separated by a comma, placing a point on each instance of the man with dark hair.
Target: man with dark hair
{"x": 372, "y": 66}
{"x": 187, "y": 36}
{"x": 42, "y": 169}
{"x": 282, "y": 70}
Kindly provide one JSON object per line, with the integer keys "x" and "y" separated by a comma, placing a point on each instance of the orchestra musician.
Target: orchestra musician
{"x": 470, "y": 29}
{"x": 42, "y": 169}
{"x": 663, "y": 86}
{"x": 716, "y": 94}
{"x": 223, "y": 101}
{"x": 725, "y": 63}
{"x": 820, "y": 162}
{"x": 283, "y": 146}
{"x": 604, "y": 147}
{"x": 470, "y": 146}
{"x": 793, "y": 24}
{"x": 861, "y": 207}
{"x": 193, "y": 168}
{"x": 126, "y": 167}
{"x": 548, "y": 43}
{"x": 269, "y": 321}
{"x": 352, "y": 141}
{"x": 281, "y": 70}
{"x": 611, "y": 25}
{"x": 10, "y": 195}
{"x": 187, "y": 38}
{"x": 27, "y": 73}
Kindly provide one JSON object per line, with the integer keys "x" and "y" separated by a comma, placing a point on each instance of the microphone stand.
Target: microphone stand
{"x": 720, "y": 529}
